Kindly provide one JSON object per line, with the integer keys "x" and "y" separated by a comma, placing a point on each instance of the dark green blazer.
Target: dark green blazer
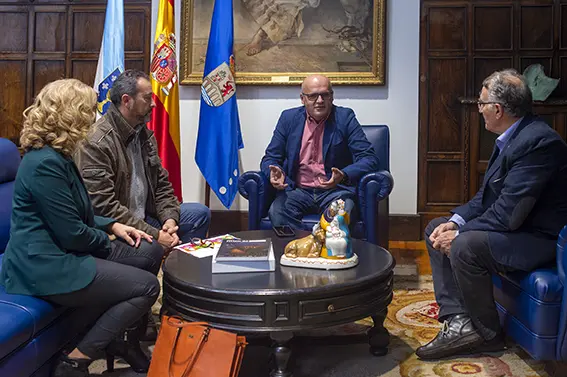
{"x": 54, "y": 233}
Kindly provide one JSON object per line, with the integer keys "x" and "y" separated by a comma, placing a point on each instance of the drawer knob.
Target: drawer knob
{"x": 330, "y": 308}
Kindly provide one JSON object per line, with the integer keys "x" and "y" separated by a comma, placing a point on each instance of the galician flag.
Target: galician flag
{"x": 111, "y": 57}
{"x": 165, "y": 117}
{"x": 219, "y": 137}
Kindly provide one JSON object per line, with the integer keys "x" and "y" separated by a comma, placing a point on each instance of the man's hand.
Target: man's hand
{"x": 129, "y": 234}
{"x": 277, "y": 178}
{"x": 442, "y": 228}
{"x": 170, "y": 226}
{"x": 444, "y": 241}
{"x": 168, "y": 240}
{"x": 336, "y": 178}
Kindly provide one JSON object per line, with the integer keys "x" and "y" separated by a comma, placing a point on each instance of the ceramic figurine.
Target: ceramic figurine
{"x": 335, "y": 221}
{"x": 308, "y": 247}
{"x": 337, "y": 240}
{"x": 329, "y": 244}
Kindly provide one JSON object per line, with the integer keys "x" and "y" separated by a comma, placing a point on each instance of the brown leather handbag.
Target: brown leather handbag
{"x": 195, "y": 349}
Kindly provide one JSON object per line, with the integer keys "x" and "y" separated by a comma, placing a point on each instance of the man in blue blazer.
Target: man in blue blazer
{"x": 317, "y": 154}
{"x": 512, "y": 223}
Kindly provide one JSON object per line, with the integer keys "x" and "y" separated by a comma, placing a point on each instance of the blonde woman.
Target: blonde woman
{"x": 58, "y": 250}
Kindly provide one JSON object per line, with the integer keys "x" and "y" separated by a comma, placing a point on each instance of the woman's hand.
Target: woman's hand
{"x": 129, "y": 234}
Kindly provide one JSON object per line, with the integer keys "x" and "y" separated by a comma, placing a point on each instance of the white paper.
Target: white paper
{"x": 203, "y": 252}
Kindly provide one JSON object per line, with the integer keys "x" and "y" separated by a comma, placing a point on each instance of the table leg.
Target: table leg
{"x": 378, "y": 336}
{"x": 282, "y": 352}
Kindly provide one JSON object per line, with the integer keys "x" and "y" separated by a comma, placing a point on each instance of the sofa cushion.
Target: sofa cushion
{"x": 542, "y": 284}
{"x": 17, "y": 328}
{"x": 10, "y": 158}
{"x": 35, "y": 356}
{"x": 22, "y": 318}
{"x": 379, "y": 137}
{"x": 533, "y": 298}
{"x": 6, "y": 194}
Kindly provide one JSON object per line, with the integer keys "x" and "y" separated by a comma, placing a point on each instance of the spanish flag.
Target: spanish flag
{"x": 165, "y": 117}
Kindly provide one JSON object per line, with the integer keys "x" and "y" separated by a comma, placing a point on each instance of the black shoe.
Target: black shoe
{"x": 130, "y": 352}
{"x": 498, "y": 343}
{"x": 458, "y": 335}
{"x": 69, "y": 367}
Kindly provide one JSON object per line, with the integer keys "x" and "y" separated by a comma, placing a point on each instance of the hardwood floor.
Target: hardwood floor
{"x": 411, "y": 258}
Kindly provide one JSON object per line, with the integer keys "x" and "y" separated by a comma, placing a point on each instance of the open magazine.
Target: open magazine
{"x": 206, "y": 247}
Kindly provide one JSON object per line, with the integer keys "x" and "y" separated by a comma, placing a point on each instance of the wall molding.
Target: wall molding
{"x": 402, "y": 227}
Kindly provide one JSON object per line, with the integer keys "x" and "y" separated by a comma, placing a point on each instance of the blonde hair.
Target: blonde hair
{"x": 60, "y": 116}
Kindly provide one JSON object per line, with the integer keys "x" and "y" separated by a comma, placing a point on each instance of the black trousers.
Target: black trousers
{"x": 463, "y": 282}
{"x": 123, "y": 290}
{"x": 146, "y": 257}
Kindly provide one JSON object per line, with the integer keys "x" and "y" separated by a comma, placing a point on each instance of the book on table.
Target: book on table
{"x": 235, "y": 255}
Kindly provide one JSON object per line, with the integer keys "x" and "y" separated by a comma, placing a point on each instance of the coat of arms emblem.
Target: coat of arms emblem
{"x": 164, "y": 62}
{"x": 219, "y": 86}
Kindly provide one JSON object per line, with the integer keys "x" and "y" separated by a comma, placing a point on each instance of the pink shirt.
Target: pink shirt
{"x": 311, "y": 165}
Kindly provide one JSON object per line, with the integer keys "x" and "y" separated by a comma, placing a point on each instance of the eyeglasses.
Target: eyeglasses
{"x": 315, "y": 96}
{"x": 481, "y": 103}
{"x": 199, "y": 243}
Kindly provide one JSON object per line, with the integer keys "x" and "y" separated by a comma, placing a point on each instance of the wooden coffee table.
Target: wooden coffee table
{"x": 284, "y": 301}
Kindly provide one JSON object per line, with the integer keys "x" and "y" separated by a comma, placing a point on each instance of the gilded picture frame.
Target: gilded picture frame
{"x": 342, "y": 39}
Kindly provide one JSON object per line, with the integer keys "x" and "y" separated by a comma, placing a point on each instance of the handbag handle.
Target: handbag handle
{"x": 180, "y": 325}
{"x": 179, "y": 322}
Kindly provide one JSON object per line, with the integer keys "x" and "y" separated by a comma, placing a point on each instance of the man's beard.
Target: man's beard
{"x": 146, "y": 118}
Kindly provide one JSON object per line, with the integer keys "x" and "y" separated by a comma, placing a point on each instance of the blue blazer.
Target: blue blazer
{"x": 54, "y": 231}
{"x": 345, "y": 146}
{"x": 522, "y": 202}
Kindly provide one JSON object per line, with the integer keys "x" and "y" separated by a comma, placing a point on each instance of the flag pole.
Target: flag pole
{"x": 207, "y": 195}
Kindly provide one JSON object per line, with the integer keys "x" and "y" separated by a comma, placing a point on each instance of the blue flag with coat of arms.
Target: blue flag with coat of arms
{"x": 111, "y": 57}
{"x": 219, "y": 137}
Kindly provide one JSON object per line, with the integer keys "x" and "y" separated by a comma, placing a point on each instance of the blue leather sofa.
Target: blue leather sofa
{"x": 533, "y": 307}
{"x": 373, "y": 191}
{"x": 32, "y": 331}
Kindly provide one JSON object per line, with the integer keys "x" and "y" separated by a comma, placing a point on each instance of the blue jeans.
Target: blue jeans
{"x": 194, "y": 221}
{"x": 289, "y": 207}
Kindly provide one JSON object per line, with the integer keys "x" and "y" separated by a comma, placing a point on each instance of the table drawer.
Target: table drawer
{"x": 335, "y": 308}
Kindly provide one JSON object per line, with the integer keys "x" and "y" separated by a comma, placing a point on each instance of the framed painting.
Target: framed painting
{"x": 279, "y": 42}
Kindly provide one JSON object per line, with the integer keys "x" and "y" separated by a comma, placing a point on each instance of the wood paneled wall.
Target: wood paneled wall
{"x": 462, "y": 42}
{"x": 44, "y": 40}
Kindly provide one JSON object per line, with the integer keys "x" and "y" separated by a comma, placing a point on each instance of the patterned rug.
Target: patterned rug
{"x": 412, "y": 321}
{"x": 343, "y": 351}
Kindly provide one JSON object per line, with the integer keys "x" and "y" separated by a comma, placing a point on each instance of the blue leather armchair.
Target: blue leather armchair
{"x": 373, "y": 191}
{"x": 533, "y": 307}
{"x": 32, "y": 331}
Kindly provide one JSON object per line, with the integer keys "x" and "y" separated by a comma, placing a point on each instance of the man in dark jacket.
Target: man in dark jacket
{"x": 317, "y": 155}
{"x": 121, "y": 168}
{"x": 512, "y": 223}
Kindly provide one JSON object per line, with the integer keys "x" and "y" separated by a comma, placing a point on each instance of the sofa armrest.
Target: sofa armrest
{"x": 254, "y": 186}
{"x": 374, "y": 187}
{"x": 373, "y": 191}
{"x": 561, "y": 351}
{"x": 561, "y": 254}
